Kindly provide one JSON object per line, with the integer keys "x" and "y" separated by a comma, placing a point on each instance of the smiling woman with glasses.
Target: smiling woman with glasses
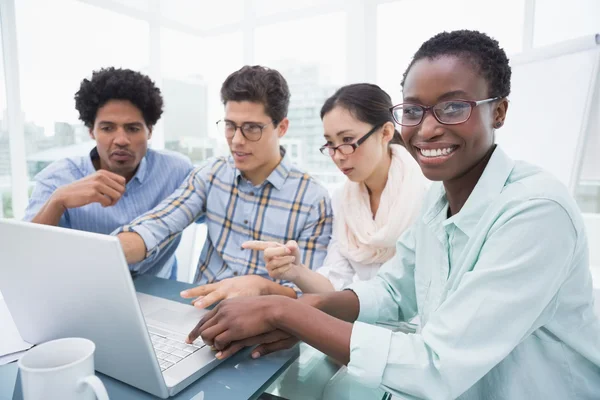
{"x": 496, "y": 265}
{"x": 375, "y": 206}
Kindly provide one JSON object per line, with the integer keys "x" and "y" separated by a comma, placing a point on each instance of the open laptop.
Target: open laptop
{"x": 67, "y": 283}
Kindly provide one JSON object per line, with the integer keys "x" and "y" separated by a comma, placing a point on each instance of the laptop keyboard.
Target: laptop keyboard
{"x": 170, "y": 348}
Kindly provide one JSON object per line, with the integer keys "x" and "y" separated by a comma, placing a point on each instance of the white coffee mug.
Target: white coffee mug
{"x": 61, "y": 369}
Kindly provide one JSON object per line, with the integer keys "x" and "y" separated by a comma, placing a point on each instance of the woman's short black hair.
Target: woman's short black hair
{"x": 475, "y": 47}
{"x": 118, "y": 84}
{"x": 259, "y": 84}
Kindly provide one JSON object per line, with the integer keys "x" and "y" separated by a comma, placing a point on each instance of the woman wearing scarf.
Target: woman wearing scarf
{"x": 380, "y": 200}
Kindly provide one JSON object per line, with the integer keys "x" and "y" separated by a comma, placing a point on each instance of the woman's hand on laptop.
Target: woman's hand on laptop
{"x": 229, "y": 326}
{"x": 237, "y": 320}
{"x": 267, "y": 343}
{"x": 240, "y": 286}
{"x": 282, "y": 261}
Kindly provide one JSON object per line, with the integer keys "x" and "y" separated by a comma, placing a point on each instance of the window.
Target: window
{"x": 203, "y": 15}
{"x": 5, "y": 178}
{"x": 270, "y": 7}
{"x": 311, "y": 54}
{"x": 312, "y": 43}
{"x": 558, "y": 20}
{"x": 140, "y": 5}
{"x": 193, "y": 69}
{"x": 61, "y": 43}
{"x": 404, "y": 25}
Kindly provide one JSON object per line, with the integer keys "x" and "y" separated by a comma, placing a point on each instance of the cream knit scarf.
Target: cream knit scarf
{"x": 369, "y": 240}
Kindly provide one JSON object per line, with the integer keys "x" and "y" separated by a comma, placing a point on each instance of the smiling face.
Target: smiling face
{"x": 448, "y": 152}
{"x": 341, "y": 127}
{"x": 121, "y": 136}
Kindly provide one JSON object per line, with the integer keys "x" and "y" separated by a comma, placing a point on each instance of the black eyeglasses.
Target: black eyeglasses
{"x": 250, "y": 130}
{"x": 348, "y": 148}
{"x": 451, "y": 112}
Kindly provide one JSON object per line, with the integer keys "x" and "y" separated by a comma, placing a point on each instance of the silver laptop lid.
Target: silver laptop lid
{"x": 61, "y": 282}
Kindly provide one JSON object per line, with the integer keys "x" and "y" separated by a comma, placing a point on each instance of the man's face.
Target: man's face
{"x": 251, "y": 155}
{"x": 121, "y": 136}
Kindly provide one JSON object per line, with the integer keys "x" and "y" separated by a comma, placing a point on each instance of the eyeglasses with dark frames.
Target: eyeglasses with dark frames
{"x": 452, "y": 112}
{"x": 348, "y": 148}
{"x": 251, "y": 131}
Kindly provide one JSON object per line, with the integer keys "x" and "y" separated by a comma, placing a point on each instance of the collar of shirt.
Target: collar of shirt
{"x": 489, "y": 186}
{"x": 139, "y": 176}
{"x": 278, "y": 175}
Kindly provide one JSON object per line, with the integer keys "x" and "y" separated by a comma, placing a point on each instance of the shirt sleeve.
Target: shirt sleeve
{"x": 390, "y": 295}
{"x": 40, "y": 195}
{"x": 159, "y": 226}
{"x": 336, "y": 267}
{"x": 314, "y": 238}
{"x": 316, "y": 233}
{"x": 506, "y": 296}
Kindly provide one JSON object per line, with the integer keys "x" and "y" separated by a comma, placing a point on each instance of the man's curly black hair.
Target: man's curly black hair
{"x": 118, "y": 84}
{"x": 475, "y": 47}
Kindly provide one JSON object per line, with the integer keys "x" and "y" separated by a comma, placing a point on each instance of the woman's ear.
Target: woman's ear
{"x": 500, "y": 113}
{"x": 387, "y": 133}
{"x": 92, "y": 134}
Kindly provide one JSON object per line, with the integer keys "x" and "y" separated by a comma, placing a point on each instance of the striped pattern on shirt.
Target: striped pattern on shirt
{"x": 289, "y": 205}
{"x": 159, "y": 174}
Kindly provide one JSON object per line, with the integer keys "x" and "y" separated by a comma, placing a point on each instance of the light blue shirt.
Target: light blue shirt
{"x": 158, "y": 175}
{"x": 503, "y": 291}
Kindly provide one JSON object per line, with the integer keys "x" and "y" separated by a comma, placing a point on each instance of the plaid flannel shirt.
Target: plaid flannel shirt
{"x": 288, "y": 205}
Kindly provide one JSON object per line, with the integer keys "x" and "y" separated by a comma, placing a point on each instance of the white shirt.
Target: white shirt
{"x": 342, "y": 271}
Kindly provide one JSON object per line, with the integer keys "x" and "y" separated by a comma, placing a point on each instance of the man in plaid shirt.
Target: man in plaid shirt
{"x": 256, "y": 193}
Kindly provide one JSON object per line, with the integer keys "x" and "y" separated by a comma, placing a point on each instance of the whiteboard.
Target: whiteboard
{"x": 590, "y": 170}
{"x": 548, "y": 110}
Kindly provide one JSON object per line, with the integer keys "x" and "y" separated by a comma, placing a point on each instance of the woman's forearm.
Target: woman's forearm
{"x": 310, "y": 281}
{"x": 343, "y": 305}
{"x": 322, "y": 331}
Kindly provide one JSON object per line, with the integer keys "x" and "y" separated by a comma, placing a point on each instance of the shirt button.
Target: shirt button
{"x": 246, "y": 221}
{"x": 251, "y": 193}
{"x": 236, "y": 273}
